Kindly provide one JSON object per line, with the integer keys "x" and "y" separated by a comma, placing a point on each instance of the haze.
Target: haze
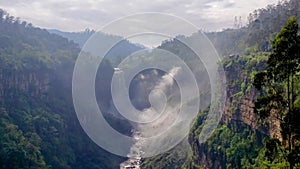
{"x": 77, "y": 15}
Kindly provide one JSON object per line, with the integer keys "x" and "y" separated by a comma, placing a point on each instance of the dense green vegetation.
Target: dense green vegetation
{"x": 229, "y": 147}
{"x": 38, "y": 125}
{"x": 268, "y": 61}
{"x": 278, "y": 85}
{"x": 120, "y": 50}
{"x": 39, "y": 128}
{"x": 234, "y": 143}
{"x": 260, "y": 125}
{"x": 256, "y": 36}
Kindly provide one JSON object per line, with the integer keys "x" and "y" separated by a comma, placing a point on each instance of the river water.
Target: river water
{"x": 135, "y": 154}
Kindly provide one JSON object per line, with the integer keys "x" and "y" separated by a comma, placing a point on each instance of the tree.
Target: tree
{"x": 277, "y": 83}
{"x": 16, "y": 150}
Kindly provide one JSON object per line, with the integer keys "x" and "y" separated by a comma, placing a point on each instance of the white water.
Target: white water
{"x": 135, "y": 154}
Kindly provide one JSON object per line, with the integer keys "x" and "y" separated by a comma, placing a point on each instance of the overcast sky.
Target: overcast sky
{"x": 76, "y": 15}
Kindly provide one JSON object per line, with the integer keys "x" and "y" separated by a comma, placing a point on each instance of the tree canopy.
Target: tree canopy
{"x": 278, "y": 85}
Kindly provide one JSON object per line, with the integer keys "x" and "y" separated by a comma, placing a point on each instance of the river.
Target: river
{"x": 135, "y": 154}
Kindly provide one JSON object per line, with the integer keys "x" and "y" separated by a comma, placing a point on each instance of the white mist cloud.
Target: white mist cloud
{"x": 161, "y": 113}
{"x": 168, "y": 79}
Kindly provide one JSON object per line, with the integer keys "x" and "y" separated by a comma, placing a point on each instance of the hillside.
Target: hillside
{"x": 38, "y": 125}
{"x": 122, "y": 49}
{"x": 261, "y": 28}
{"x": 260, "y": 123}
{"x": 243, "y": 139}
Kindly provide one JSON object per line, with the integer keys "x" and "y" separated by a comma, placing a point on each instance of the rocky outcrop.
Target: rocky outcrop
{"x": 33, "y": 83}
{"x": 240, "y": 111}
{"x": 238, "y": 115}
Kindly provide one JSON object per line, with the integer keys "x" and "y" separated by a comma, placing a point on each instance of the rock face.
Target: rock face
{"x": 238, "y": 115}
{"x": 240, "y": 111}
{"x": 203, "y": 159}
{"x": 33, "y": 83}
{"x": 40, "y": 83}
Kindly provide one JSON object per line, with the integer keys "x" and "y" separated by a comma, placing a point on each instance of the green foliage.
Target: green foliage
{"x": 172, "y": 159}
{"x": 235, "y": 145}
{"x": 227, "y": 148}
{"x": 263, "y": 24}
{"x": 268, "y": 165}
{"x": 278, "y": 96}
{"x": 18, "y": 150}
{"x": 40, "y": 130}
{"x": 243, "y": 87}
{"x": 283, "y": 61}
{"x": 38, "y": 125}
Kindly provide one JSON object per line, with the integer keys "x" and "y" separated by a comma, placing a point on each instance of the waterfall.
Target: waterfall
{"x": 135, "y": 154}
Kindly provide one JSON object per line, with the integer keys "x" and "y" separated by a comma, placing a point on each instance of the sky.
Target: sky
{"x": 77, "y": 15}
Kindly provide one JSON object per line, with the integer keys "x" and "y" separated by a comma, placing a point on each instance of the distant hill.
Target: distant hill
{"x": 117, "y": 53}
{"x": 81, "y": 37}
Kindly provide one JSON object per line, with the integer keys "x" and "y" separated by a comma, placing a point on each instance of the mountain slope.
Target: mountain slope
{"x": 122, "y": 49}
{"x": 242, "y": 139}
{"x": 38, "y": 124}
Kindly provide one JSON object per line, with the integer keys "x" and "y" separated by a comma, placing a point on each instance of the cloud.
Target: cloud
{"x": 75, "y": 15}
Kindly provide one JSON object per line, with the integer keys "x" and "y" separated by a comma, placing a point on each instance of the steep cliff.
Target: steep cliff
{"x": 242, "y": 137}
{"x": 38, "y": 124}
{"x": 239, "y": 139}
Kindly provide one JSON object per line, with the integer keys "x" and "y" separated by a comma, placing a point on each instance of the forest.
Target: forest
{"x": 260, "y": 126}
{"x": 38, "y": 125}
